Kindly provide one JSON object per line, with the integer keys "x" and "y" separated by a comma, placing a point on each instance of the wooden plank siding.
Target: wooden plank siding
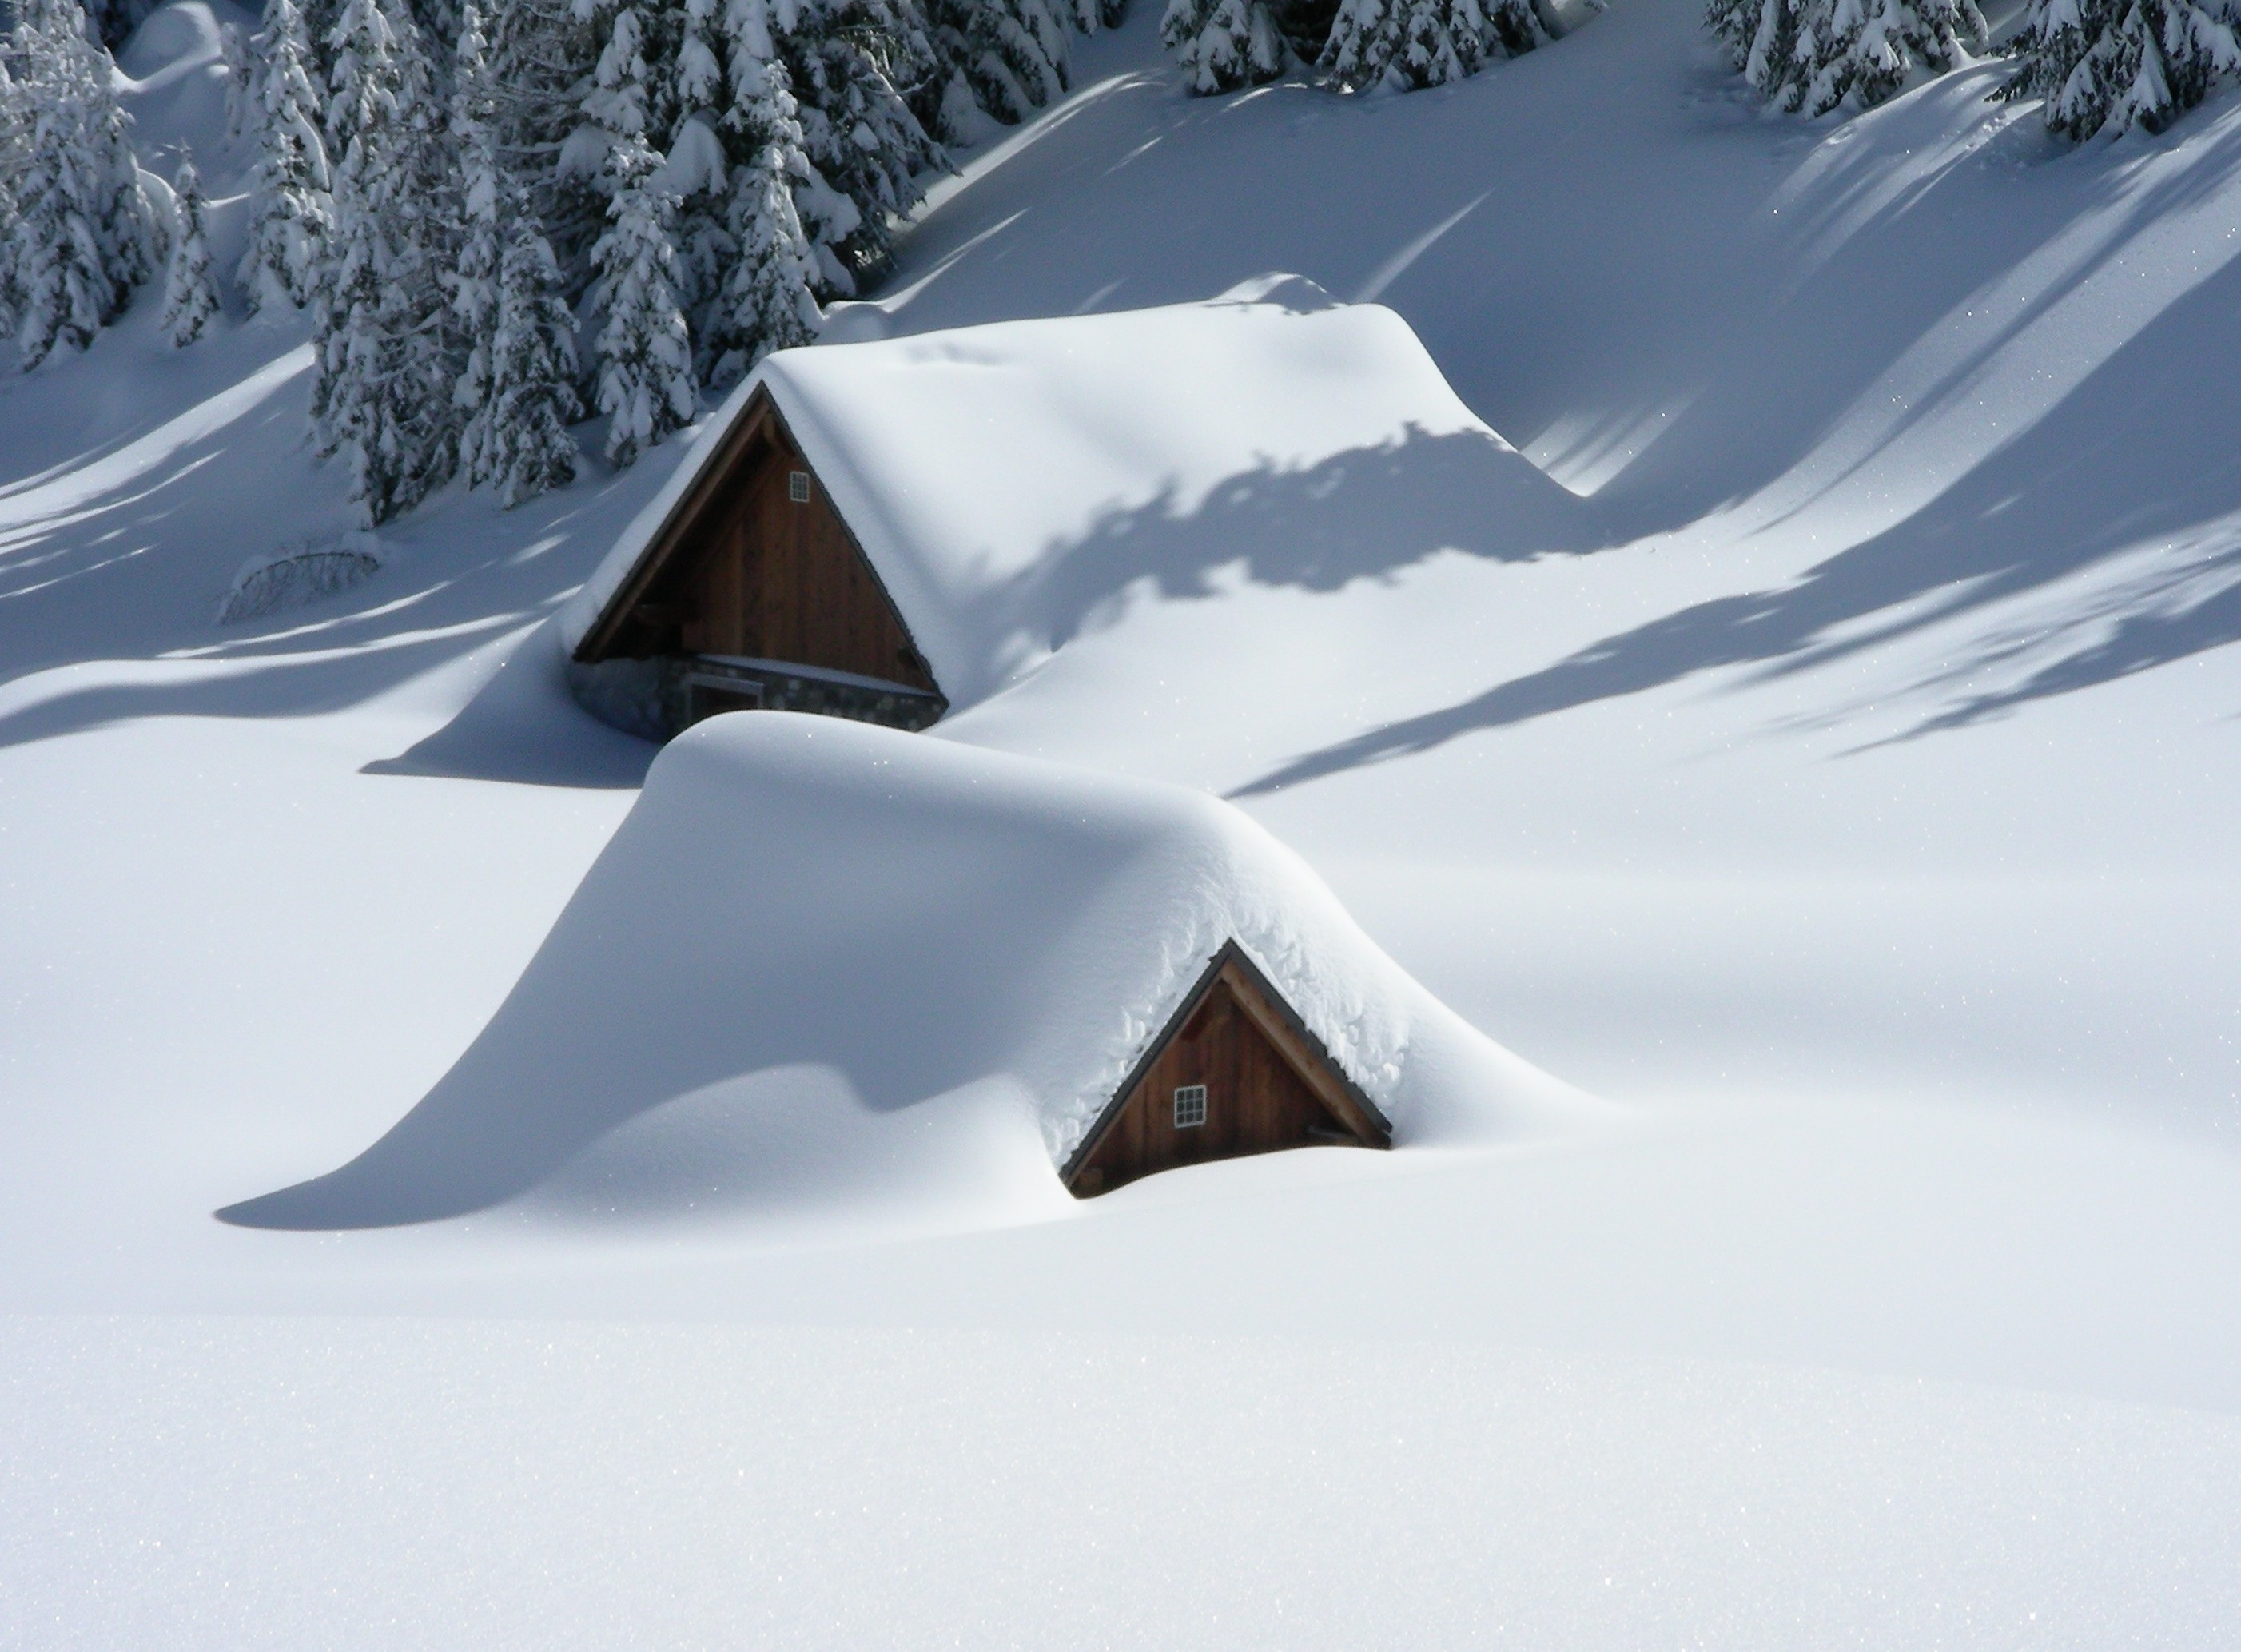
{"x": 1269, "y": 1085}
{"x": 743, "y": 569}
{"x": 772, "y": 577}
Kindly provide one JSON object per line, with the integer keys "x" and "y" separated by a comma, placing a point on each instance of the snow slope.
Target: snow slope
{"x": 1856, "y": 810}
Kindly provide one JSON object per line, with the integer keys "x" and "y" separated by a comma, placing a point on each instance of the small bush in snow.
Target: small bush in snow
{"x": 1810, "y": 56}
{"x": 289, "y": 578}
{"x": 2105, "y": 66}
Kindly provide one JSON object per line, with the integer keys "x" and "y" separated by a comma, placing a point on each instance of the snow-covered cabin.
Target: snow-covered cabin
{"x": 1235, "y": 1072}
{"x": 881, "y": 530}
{"x": 944, "y": 985}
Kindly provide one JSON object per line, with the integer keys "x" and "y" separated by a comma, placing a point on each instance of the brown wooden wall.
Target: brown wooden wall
{"x": 766, "y": 578}
{"x": 1256, "y": 1102}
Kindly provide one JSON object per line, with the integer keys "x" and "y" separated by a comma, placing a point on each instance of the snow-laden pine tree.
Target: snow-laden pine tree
{"x": 189, "y": 296}
{"x": 775, "y": 263}
{"x": 699, "y": 166}
{"x": 319, "y": 19}
{"x": 61, "y": 289}
{"x": 515, "y": 390}
{"x": 1761, "y": 37}
{"x": 85, "y": 232}
{"x": 630, "y": 94}
{"x": 1862, "y": 52}
{"x": 2105, "y": 67}
{"x": 240, "y": 79}
{"x": 473, "y": 280}
{"x": 856, "y": 67}
{"x": 543, "y": 55}
{"x": 644, "y": 347}
{"x": 290, "y": 215}
{"x": 438, "y": 22}
{"x": 528, "y": 448}
{"x": 1404, "y": 44}
{"x": 830, "y": 218}
{"x": 130, "y": 234}
{"x": 645, "y": 384}
{"x": 1009, "y": 57}
{"x": 766, "y": 302}
{"x": 1222, "y": 44}
{"x": 1810, "y": 56}
{"x": 15, "y": 141}
{"x": 382, "y": 376}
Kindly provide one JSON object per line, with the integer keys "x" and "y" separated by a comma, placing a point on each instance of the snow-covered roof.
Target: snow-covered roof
{"x": 825, "y": 961}
{"x": 975, "y": 465}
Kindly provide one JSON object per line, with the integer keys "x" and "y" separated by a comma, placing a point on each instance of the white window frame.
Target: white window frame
{"x": 797, "y": 486}
{"x": 1190, "y": 1106}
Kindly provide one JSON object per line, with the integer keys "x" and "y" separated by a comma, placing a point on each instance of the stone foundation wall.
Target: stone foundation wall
{"x": 653, "y": 699}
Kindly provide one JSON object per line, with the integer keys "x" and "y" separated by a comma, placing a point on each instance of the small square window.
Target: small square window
{"x": 797, "y": 486}
{"x": 1190, "y": 1106}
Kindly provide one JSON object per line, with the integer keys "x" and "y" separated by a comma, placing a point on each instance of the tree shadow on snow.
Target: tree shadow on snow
{"x": 2137, "y": 460}
{"x": 1366, "y": 514}
{"x": 116, "y": 555}
{"x": 2112, "y": 470}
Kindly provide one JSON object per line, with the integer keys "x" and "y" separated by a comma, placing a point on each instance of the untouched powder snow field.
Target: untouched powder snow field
{"x": 1842, "y": 802}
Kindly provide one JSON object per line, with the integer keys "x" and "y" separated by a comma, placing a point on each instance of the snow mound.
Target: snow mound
{"x": 995, "y": 475}
{"x": 825, "y": 964}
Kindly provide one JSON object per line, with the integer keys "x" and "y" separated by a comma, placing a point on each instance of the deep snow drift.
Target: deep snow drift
{"x": 823, "y": 963}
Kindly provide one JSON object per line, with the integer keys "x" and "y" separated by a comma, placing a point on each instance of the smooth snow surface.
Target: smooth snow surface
{"x": 1852, "y": 803}
{"x": 1006, "y": 480}
{"x": 824, "y": 963}
{"x": 721, "y": 1486}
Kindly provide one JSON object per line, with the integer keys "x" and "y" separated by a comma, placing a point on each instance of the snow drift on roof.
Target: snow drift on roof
{"x": 976, "y": 465}
{"x": 823, "y": 963}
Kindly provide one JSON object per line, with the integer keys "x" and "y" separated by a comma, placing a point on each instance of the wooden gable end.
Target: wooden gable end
{"x": 1266, "y": 1082}
{"x": 755, "y": 563}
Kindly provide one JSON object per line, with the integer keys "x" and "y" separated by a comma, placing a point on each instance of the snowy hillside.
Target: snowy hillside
{"x": 1844, "y": 800}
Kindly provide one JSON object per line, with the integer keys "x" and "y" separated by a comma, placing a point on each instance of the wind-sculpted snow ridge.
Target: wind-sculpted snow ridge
{"x": 1006, "y": 480}
{"x": 824, "y": 964}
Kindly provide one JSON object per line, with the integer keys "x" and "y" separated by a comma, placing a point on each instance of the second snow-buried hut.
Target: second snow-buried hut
{"x": 885, "y": 530}
{"x": 1235, "y": 1072}
{"x": 825, "y": 969}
